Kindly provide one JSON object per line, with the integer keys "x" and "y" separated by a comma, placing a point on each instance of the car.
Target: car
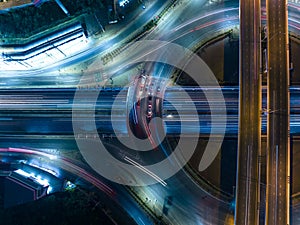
{"x": 149, "y": 113}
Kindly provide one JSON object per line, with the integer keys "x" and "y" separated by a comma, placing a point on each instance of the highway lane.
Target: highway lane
{"x": 249, "y": 135}
{"x": 278, "y": 134}
{"x": 50, "y": 125}
{"x": 173, "y": 95}
{"x": 49, "y": 111}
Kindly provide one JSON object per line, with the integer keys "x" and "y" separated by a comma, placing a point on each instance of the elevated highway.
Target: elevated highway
{"x": 49, "y": 111}
{"x": 278, "y": 131}
{"x": 249, "y": 135}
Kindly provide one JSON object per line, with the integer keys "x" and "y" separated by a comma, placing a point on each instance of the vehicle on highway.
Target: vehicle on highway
{"x": 149, "y": 110}
{"x": 149, "y": 114}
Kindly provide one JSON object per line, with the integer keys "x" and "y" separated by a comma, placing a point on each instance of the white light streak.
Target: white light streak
{"x": 154, "y": 176}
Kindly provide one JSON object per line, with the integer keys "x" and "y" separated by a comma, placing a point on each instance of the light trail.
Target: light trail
{"x": 68, "y": 164}
{"x": 153, "y": 175}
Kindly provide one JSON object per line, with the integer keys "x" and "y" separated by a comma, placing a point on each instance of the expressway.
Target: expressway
{"x": 278, "y": 130}
{"x": 49, "y": 111}
{"x": 249, "y": 135}
{"x": 39, "y": 112}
